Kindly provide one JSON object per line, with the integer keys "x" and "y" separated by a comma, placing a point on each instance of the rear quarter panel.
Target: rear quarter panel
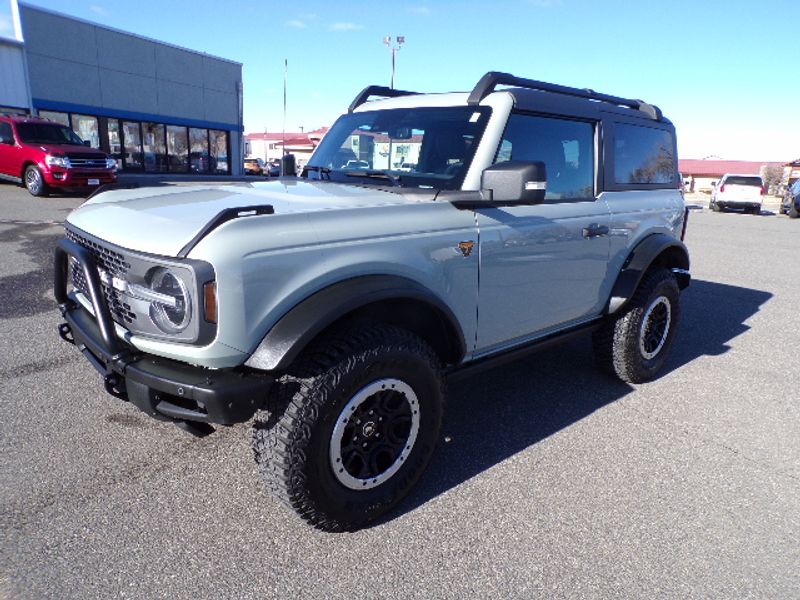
{"x": 634, "y": 216}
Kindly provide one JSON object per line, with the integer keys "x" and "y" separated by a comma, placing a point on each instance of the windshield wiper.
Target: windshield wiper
{"x": 395, "y": 179}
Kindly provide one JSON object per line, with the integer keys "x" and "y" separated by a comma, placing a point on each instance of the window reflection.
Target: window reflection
{"x": 178, "y": 149}
{"x": 58, "y": 117}
{"x": 154, "y": 147}
{"x": 219, "y": 151}
{"x": 132, "y": 138}
{"x": 114, "y": 143}
{"x": 199, "y": 155}
{"x": 86, "y": 128}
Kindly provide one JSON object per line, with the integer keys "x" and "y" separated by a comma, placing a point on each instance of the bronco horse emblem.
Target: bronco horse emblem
{"x": 466, "y": 248}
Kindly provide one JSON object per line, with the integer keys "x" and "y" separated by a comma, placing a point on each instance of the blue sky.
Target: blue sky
{"x": 724, "y": 72}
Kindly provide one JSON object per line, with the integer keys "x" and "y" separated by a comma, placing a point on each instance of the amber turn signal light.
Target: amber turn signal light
{"x": 210, "y": 301}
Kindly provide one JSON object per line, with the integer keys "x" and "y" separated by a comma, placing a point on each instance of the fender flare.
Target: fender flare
{"x": 668, "y": 251}
{"x": 306, "y": 320}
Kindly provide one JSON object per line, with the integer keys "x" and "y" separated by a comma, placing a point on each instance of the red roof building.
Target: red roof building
{"x": 717, "y": 168}
{"x": 271, "y": 146}
{"x": 700, "y": 174}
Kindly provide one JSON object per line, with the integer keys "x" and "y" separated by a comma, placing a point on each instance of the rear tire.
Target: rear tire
{"x": 793, "y": 212}
{"x": 348, "y": 432}
{"x": 713, "y": 206}
{"x": 635, "y": 345}
{"x": 34, "y": 182}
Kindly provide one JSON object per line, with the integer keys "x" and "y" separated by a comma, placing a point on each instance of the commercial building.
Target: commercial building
{"x": 153, "y": 106}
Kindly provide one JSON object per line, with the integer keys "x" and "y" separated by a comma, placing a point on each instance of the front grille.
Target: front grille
{"x": 114, "y": 265}
{"x": 82, "y": 161}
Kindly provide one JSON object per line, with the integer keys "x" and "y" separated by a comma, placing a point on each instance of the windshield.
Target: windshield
{"x": 410, "y": 147}
{"x": 47, "y": 133}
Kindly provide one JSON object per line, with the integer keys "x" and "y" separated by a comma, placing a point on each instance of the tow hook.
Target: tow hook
{"x": 65, "y": 331}
{"x": 115, "y": 386}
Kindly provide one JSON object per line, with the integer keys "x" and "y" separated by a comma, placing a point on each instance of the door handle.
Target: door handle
{"x": 594, "y": 230}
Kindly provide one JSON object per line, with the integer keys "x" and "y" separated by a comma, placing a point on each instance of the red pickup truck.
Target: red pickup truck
{"x": 45, "y": 155}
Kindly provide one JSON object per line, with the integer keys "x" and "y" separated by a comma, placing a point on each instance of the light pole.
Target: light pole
{"x": 400, "y": 40}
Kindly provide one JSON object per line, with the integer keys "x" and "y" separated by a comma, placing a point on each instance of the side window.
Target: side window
{"x": 566, "y": 148}
{"x": 5, "y": 131}
{"x": 643, "y": 155}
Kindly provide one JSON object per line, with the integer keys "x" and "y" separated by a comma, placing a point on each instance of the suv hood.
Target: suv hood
{"x": 162, "y": 220}
{"x": 66, "y": 149}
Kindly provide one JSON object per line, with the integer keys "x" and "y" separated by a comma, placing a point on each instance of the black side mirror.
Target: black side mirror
{"x": 521, "y": 181}
{"x": 6, "y": 139}
{"x": 87, "y": 142}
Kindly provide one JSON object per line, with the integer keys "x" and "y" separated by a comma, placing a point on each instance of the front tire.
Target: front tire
{"x": 34, "y": 182}
{"x": 635, "y": 345}
{"x": 351, "y": 428}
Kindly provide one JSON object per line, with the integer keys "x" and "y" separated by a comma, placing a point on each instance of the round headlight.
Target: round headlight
{"x": 172, "y": 312}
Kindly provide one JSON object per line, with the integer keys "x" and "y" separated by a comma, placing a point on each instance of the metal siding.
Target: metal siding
{"x": 179, "y": 66}
{"x": 125, "y": 53}
{"x": 77, "y": 66}
{"x": 53, "y": 35}
{"x": 117, "y": 88}
{"x": 220, "y": 105}
{"x": 13, "y": 89}
{"x": 180, "y": 98}
{"x": 63, "y": 80}
{"x": 220, "y": 76}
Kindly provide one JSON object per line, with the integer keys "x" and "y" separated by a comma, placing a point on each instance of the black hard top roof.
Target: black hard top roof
{"x": 540, "y": 96}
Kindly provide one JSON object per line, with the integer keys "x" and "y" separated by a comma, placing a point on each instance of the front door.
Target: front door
{"x": 543, "y": 267}
{"x": 9, "y": 152}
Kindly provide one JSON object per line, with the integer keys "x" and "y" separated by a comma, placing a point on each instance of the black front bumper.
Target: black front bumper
{"x": 165, "y": 389}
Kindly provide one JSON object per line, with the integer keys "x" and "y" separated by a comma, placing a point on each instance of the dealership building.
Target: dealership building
{"x": 154, "y": 107}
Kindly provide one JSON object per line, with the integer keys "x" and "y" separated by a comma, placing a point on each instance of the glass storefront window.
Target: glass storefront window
{"x": 86, "y": 128}
{"x": 154, "y": 144}
{"x": 151, "y": 147}
{"x": 198, "y": 150}
{"x": 132, "y": 138}
{"x": 178, "y": 148}
{"x": 58, "y": 117}
{"x": 219, "y": 151}
{"x": 114, "y": 144}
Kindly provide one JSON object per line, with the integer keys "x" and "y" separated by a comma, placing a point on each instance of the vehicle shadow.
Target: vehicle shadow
{"x": 496, "y": 414}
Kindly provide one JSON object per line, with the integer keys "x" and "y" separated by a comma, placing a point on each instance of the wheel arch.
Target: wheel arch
{"x": 658, "y": 250}
{"x": 27, "y": 163}
{"x": 383, "y": 298}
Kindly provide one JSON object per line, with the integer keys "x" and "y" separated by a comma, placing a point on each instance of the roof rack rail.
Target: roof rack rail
{"x": 492, "y": 79}
{"x": 376, "y": 90}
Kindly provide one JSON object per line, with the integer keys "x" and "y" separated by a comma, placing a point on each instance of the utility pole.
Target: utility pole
{"x": 399, "y": 41}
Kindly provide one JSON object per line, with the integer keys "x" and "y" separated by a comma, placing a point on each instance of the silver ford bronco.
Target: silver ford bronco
{"x": 429, "y": 236}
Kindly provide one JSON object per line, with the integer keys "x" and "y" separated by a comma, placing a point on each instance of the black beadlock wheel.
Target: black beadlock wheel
{"x": 635, "y": 344}
{"x": 348, "y": 432}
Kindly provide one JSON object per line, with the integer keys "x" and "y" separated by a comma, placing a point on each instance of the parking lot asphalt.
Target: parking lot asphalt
{"x": 550, "y": 480}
